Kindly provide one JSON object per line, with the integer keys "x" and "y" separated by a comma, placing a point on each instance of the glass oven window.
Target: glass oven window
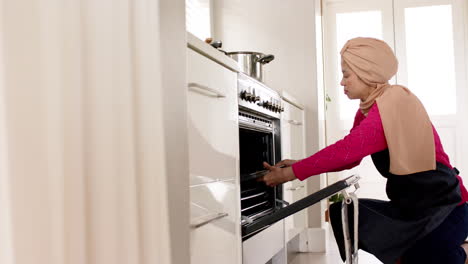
{"x": 255, "y": 148}
{"x": 257, "y": 199}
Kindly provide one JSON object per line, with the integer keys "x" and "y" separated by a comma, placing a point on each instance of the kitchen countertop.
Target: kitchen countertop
{"x": 211, "y": 53}
{"x": 290, "y": 99}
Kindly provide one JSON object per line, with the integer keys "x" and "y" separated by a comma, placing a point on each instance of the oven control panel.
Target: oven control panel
{"x": 256, "y": 96}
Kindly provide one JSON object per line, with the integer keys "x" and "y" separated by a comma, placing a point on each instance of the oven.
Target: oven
{"x": 262, "y": 207}
{"x": 259, "y": 141}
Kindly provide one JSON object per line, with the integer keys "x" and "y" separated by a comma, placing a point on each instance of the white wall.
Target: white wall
{"x": 285, "y": 29}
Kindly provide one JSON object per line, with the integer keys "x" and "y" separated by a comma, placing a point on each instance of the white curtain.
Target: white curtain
{"x": 82, "y": 157}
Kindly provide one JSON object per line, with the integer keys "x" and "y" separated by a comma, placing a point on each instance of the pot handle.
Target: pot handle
{"x": 266, "y": 59}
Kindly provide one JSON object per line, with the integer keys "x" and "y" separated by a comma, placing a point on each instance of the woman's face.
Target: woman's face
{"x": 353, "y": 86}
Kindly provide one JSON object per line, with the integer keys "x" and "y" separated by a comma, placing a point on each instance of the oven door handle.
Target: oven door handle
{"x": 207, "y": 219}
{"x": 302, "y": 204}
{"x": 196, "y": 87}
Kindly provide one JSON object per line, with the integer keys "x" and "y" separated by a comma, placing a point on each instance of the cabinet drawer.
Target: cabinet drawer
{"x": 292, "y": 132}
{"x": 295, "y": 115}
{"x": 264, "y": 245}
{"x": 294, "y": 191}
{"x": 215, "y": 227}
{"x": 297, "y": 222}
{"x": 212, "y": 113}
{"x": 297, "y": 142}
{"x": 205, "y": 72}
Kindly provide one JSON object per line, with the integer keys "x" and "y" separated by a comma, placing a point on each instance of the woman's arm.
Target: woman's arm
{"x": 357, "y": 120}
{"x": 366, "y": 137}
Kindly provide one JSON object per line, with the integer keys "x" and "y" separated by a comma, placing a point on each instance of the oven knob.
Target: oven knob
{"x": 276, "y": 106}
{"x": 252, "y": 97}
{"x": 248, "y": 96}
{"x": 243, "y": 95}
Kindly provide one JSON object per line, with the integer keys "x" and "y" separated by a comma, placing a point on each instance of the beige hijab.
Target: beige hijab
{"x": 407, "y": 127}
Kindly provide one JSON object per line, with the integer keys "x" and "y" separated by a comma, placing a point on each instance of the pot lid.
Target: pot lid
{"x": 245, "y": 52}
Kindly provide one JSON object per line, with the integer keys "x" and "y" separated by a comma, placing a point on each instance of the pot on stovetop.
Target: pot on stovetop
{"x": 251, "y": 63}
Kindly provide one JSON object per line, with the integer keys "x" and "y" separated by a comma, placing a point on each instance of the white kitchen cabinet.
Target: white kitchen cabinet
{"x": 293, "y": 147}
{"x": 214, "y": 223}
{"x": 213, "y": 131}
{"x": 212, "y": 120}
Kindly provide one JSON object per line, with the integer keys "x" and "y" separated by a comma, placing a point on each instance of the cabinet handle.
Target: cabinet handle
{"x": 211, "y": 218}
{"x": 295, "y": 122}
{"x": 296, "y": 188}
{"x": 195, "y": 86}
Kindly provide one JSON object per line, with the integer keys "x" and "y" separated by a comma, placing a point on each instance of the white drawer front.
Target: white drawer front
{"x": 215, "y": 227}
{"x": 297, "y": 222}
{"x": 206, "y": 72}
{"x": 263, "y": 246}
{"x": 292, "y": 134}
{"x": 297, "y": 142}
{"x": 293, "y": 147}
{"x": 212, "y": 121}
{"x": 292, "y": 115}
{"x": 295, "y": 114}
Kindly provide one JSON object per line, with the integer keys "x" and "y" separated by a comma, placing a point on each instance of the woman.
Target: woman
{"x": 426, "y": 219}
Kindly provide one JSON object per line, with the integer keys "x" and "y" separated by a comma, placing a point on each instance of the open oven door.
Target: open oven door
{"x": 300, "y": 205}
{"x": 340, "y": 186}
{"x": 351, "y": 248}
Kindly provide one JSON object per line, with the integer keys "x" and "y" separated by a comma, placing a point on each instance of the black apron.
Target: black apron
{"x": 418, "y": 203}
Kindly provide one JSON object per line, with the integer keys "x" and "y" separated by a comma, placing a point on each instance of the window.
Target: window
{"x": 198, "y": 18}
{"x": 430, "y": 57}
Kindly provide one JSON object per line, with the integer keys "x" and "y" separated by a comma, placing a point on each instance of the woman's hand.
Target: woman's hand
{"x": 277, "y": 175}
{"x": 285, "y": 163}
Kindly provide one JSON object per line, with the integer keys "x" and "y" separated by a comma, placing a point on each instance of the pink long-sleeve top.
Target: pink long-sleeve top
{"x": 366, "y": 137}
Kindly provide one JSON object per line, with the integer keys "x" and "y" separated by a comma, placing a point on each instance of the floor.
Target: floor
{"x": 332, "y": 256}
